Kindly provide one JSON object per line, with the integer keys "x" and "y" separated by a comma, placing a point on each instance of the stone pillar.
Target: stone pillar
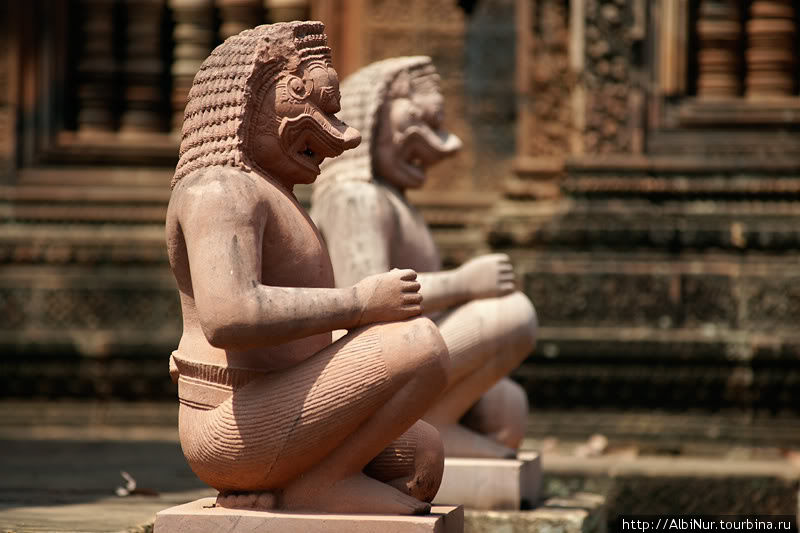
{"x": 770, "y": 52}
{"x": 287, "y": 10}
{"x": 238, "y": 15}
{"x": 719, "y": 31}
{"x": 96, "y": 67}
{"x": 143, "y": 67}
{"x": 193, "y": 38}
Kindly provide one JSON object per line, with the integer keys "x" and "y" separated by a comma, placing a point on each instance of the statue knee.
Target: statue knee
{"x": 431, "y": 358}
{"x": 526, "y": 321}
{"x": 501, "y": 413}
{"x": 428, "y": 462}
{"x": 516, "y": 414}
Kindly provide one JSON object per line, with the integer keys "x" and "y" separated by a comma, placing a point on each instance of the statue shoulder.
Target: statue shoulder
{"x": 366, "y": 202}
{"x": 353, "y": 194}
{"x": 213, "y": 191}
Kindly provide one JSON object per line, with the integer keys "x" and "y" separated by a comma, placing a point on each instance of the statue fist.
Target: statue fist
{"x": 389, "y": 296}
{"x": 488, "y": 276}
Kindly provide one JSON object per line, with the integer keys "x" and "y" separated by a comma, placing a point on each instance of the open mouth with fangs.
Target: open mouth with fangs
{"x": 422, "y": 148}
{"x": 310, "y": 154}
{"x": 308, "y": 142}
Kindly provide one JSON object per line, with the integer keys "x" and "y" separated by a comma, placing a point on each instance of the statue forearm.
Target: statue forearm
{"x": 269, "y": 316}
{"x": 442, "y": 290}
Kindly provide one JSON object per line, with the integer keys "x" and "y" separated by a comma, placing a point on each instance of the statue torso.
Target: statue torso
{"x": 292, "y": 255}
{"x": 412, "y": 246}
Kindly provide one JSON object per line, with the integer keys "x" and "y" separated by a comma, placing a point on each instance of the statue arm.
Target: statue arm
{"x": 442, "y": 290}
{"x": 223, "y": 226}
{"x": 484, "y": 276}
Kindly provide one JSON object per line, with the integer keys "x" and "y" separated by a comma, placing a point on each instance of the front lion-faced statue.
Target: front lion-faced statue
{"x": 273, "y": 413}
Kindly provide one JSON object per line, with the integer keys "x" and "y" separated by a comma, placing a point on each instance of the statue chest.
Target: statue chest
{"x": 293, "y": 252}
{"x": 413, "y": 246}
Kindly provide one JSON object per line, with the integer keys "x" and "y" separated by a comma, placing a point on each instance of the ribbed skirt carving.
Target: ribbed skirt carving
{"x": 281, "y": 423}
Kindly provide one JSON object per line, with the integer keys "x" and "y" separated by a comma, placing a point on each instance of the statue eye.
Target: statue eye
{"x": 297, "y": 89}
{"x": 330, "y": 99}
{"x": 435, "y": 118}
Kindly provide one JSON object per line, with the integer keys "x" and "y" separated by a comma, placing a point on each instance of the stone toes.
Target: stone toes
{"x": 266, "y": 500}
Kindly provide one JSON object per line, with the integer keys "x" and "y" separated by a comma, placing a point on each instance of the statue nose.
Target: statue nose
{"x": 352, "y": 138}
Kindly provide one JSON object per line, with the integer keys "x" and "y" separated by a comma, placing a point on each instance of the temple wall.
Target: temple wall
{"x": 652, "y": 217}
{"x": 641, "y": 168}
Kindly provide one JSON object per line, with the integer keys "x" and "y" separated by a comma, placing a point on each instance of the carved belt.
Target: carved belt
{"x": 204, "y": 385}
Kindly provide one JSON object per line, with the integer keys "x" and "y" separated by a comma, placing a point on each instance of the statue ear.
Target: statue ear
{"x": 299, "y": 89}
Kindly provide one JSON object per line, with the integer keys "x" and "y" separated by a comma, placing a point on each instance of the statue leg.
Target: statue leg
{"x": 416, "y": 360}
{"x": 486, "y": 339}
{"x": 501, "y": 413}
{"x": 304, "y": 434}
{"x": 413, "y": 463}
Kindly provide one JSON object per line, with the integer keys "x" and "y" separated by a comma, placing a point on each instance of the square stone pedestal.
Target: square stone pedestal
{"x": 499, "y": 484}
{"x": 200, "y": 516}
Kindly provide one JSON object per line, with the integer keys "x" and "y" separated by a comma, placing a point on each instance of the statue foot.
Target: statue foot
{"x": 460, "y": 441}
{"x": 356, "y": 494}
{"x": 259, "y": 501}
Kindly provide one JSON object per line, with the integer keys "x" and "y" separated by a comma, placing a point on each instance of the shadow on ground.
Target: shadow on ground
{"x": 61, "y": 472}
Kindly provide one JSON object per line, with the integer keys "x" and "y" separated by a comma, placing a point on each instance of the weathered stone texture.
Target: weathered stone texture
{"x": 571, "y": 513}
{"x": 551, "y": 80}
{"x": 611, "y": 84}
{"x": 490, "y": 100}
{"x": 674, "y": 485}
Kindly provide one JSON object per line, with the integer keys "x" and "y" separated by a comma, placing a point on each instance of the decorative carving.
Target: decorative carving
{"x": 719, "y": 32}
{"x": 361, "y": 207}
{"x": 143, "y": 68}
{"x": 273, "y": 414}
{"x": 686, "y": 224}
{"x": 602, "y": 298}
{"x": 770, "y": 53}
{"x": 771, "y": 302}
{"x": 549, "y": 113}
{"x": 610, "y": 84}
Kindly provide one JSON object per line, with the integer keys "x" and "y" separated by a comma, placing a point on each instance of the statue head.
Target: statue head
{"x": 265, "y": 101}
{"x": 399, "y": 108}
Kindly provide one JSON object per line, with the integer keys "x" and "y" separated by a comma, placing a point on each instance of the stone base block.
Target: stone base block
{"x": 200, "y": 516}
{"x": 507, "y": 484}
{"x": 579, "y": 513}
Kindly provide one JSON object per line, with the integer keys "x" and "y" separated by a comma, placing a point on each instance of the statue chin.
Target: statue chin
{"x": 403, "y": 175}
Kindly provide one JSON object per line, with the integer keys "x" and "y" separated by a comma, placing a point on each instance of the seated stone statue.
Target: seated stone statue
{"x": 274, "y": 414}
{"x": 360, "y": 206}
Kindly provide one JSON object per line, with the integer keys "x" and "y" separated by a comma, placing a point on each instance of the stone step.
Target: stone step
{"x": 679, "y": 485}
{"x": 576, "y": 513}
